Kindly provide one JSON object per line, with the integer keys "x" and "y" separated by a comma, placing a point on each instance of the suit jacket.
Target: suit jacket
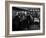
{"x": 15, "y": 23}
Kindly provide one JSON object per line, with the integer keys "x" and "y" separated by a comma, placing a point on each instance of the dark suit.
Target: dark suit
{"x": 15, "y": 23}
{"x": 29, "y": 21}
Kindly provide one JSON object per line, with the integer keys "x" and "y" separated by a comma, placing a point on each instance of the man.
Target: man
{"x": 29, "y": 21}
{"x": 15, "y": 23}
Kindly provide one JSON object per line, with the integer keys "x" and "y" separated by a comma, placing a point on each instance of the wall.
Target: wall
{"x": 2, "y": 19}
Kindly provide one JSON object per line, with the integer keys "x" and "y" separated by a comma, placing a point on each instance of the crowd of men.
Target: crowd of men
{"x": 22, "y": 21}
